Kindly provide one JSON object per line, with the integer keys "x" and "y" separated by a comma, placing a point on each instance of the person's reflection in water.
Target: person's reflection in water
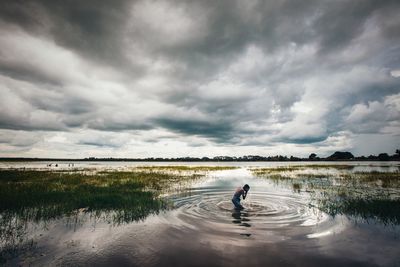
{"x": 241, "y": 218}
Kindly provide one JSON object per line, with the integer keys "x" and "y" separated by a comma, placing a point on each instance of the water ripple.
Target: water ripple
{"x": 211, "y": 209}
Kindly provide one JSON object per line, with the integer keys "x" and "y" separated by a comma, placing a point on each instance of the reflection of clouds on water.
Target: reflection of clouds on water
{"x": 269, "y": 211}
{"x": 332, "y": 227}
{"x": 204, "y": 228}
{"x": 226, "y": 179}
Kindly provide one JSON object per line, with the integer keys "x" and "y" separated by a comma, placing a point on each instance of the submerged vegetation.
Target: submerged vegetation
{"x": 183, "y": 168}
{"x": 32, "y": 200}
{"x": 291, "y": 168}
{"x": 337, "y": 189}
{"x": 35, "y": 197}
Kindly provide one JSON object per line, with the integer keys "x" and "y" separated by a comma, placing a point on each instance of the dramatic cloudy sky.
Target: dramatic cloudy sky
{"x": 199, "y": 78}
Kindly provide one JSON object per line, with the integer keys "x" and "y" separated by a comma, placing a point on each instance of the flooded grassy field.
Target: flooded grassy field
{"x": 136, "y": 214}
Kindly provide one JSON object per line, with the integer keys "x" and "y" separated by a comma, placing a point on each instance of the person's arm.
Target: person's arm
{"x": 244, "y": 194}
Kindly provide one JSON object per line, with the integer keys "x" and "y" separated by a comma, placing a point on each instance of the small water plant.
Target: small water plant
{"x": 183, "y": 168}
{"x": 365, "y": 195}
{"x": 36, "y": 197}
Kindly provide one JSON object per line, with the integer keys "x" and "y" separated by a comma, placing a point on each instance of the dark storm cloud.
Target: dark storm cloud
{"x": 93, "y": 29}
{"x": 29, "y": 124}
{"x": 306, "y": 140}
{"x": 335, "y": 33}
{"x": 232, "y": 72}
{"x": 69, "y": 105}
{"x": 219, "y": 131}
{"x": 98, "y": 28}
{"x": 331, "y": 26}
{"x": 231, "y": 27}
{"x": 342, "y": 22}
{"x": 26, "y": 73}
{"x": 112, "y": 125}
{"x": 96, "y": 144}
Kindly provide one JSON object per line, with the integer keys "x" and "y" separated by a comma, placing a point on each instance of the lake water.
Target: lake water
{"x": 120, "y": 165}
{"x": 278, "y": 227}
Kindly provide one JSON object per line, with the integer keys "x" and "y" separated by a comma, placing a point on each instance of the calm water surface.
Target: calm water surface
{"x": 277, "y": 228}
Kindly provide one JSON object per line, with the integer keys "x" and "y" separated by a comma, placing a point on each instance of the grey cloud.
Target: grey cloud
{"x": 43, "y": 123}
{"x": 19, "y": 115}
{"x": 252, "y": 72}
{"x": 26, "y": 126}
{"x": 341, "y": 23}
{"x": 97, "y": 144}
{"x": 38, "y": 107}
{"x": 305, "y": 140}
{"x": 112, "y": 125}
{"x": 21, "y": 139}
{"x": 372, "y": 117}
{"x": 91, "y": 28}
{"x": 98, "y": 28}
{"x": 26, "y": 73}
{"x": 219, "y": 131}
{"x": 68, "y": 105}
{"x": 100, "y": 139}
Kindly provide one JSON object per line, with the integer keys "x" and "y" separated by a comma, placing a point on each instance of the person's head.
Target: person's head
{"x": 246, "y": 187}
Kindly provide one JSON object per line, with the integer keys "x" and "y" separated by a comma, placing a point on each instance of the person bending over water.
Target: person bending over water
{"x": 240, "y": 192}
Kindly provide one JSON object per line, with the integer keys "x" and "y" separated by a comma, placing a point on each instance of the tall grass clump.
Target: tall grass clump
{"x": 373, "y": 195}
{"x": 33, "y": 197}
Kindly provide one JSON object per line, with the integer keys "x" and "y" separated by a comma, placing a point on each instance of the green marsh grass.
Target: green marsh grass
{"x": 293, "y": 168}
{"x": 327, "y": 166}
{"x": 29, "y": 196}
{"x": 360, "y": 195}
{"x": 186, "y": 168}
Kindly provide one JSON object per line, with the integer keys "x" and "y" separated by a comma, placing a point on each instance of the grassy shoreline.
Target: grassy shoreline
{"x": 337, "y": 189}
{"x": 64, "y": 191}
{"x": 39, "y": 196}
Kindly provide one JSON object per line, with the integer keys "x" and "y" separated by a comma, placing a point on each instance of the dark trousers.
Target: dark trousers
{"x": 236, "y": 202}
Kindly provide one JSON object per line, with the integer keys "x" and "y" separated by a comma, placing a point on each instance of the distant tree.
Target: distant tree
{"x": 338, "y": 155}
{"x": 396, "y": 156}
{"x": 383, "y": 156}
{"x": 362, "y": 158}
{"x": 312, "y": 156}
{"x": 294, "y": 158}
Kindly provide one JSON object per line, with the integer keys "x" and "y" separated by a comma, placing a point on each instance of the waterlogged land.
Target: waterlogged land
{"x": 342, "y": 189}
{"x": 181, "y": 215}
{"x": 38, "y": 197}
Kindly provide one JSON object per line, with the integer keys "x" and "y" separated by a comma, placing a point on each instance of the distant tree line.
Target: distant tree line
{"x": 337, "y": 156}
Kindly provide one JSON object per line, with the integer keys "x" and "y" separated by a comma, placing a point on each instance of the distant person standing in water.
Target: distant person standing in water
{"x": 236, "y": 197}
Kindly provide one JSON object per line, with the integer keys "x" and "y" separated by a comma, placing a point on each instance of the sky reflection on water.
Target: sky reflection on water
{"x": 279, "y": 228}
